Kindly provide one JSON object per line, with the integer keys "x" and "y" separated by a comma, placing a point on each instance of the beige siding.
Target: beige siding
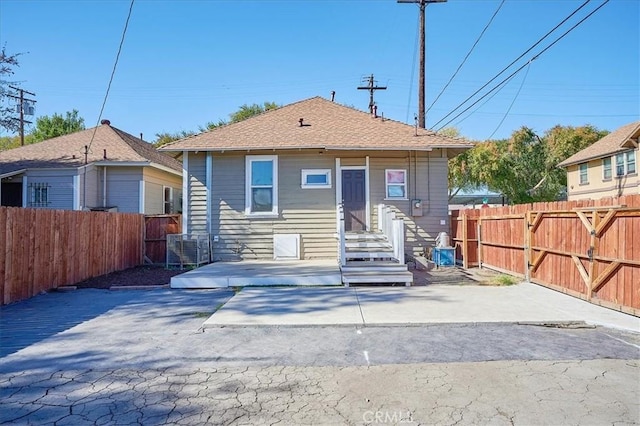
{"x": 311, "y": 212}
{"x": 308, "y": 212}
{"x": 197, "y": 216}
{"x": 155, "y": 181}
{"x": 429, "y": 184}
{"x": 597, "y": 187}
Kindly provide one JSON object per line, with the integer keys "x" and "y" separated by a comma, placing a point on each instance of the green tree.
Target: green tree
{"x": 244, "y": 112}
{"x": 524, "y": 167}
{"x": 8, "y": 63}
{"x": 166, "y": 137}
{"x": 57, "y": 125}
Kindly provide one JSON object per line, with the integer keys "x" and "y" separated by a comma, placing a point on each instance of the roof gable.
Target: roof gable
{"x": 619, "y": 140}
{"x": 319, "y": 124}
{"x": 109, "y": 144}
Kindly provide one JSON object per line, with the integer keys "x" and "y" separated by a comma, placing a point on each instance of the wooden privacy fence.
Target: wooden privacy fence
{"x": 156, "y": 228}
{"x": 588, "y": 249}
{"x": 42, "y": 249}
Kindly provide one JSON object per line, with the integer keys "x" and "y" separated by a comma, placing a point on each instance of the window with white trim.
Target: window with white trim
{"x": 626, "y": 163}
{"x": 168, "y": 200}
{"x": 584, "y": 173}
{"x": 39, "y": 195}
{"x": 631, "y": 162}
{"x": 619, "y": 165}
{"x": 396, "y": 183}
{"x": 606, "y": 168}
{"x": 261, "y": 185}
{"x": 316, "y": 178}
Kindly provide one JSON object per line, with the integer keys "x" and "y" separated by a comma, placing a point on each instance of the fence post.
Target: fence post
{"x": 527, "y": 246}
{"x": 479, "y": 241}
{"x": 465, "y": 240}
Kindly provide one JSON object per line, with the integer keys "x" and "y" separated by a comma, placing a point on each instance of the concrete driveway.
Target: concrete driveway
{"x": 435, "y": 304}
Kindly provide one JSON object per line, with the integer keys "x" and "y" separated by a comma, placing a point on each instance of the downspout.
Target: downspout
{"x": 104, "y": 186}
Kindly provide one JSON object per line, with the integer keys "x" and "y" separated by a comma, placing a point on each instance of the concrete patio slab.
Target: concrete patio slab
{"x": 522, "y": 303}
{"x": 289, "y": 306}
{"x": 261, "y": 273}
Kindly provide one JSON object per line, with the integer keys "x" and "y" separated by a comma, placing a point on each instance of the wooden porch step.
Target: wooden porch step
{"x": 368, "y": 245}
{"x": 377, "y": 278}
{"x": 361, "y": 254}
{"x": 380, "y": 267}
{"x": 365, "y": 236}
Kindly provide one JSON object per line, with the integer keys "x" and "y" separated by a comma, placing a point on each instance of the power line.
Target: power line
{"x": 521, "y": 68}
{"x": 467, "y": 56}
{"x": 113, "y": 72}
{"x": 504, "y": 117}
{"x": 513, "y": 62}
{"x": 371, "y": 87}
{"x": 24, "y": 107}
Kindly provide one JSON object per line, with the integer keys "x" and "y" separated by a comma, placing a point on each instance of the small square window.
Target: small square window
{"x": 316, "y": 178}
{"x": 396, "y": 183}
{"x": 584, "y": 173}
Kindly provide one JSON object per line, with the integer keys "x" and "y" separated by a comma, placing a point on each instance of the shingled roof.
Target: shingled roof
{"x": 68, "y": 151}
{"x": 316, "y": 123}
{"x": 618, "y": 140}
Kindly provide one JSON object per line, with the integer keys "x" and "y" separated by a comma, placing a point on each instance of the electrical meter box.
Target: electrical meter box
{"x": 416, "y": 207}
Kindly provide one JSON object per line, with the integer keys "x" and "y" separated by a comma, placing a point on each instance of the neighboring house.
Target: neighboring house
{"x": 475, "y": 199}
{"x": 606, "y": 168}
{"x": 271, "y": 186}
{"x": 101, "y": 168}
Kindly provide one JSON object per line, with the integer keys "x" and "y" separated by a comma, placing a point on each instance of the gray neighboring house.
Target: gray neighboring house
{"x": 120, "y": 173}
{"x": 273, "y": 186}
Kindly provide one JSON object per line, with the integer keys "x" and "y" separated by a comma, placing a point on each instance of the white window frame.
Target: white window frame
{"x": 583, "y": 171}
{"x": 628, "y": 156}
{"x": 249, "y": 159}
{"x": 305, "y": 173}
{"x": 386, "y": 184}
{"x": 620, "y": 157}
{"x": 164, "y": 199}
{"x": 39, "y": 194}
{"x": 605, "y": 168}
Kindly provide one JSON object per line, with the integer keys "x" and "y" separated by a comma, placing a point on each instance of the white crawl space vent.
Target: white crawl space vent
{"x": 286, "y": 246}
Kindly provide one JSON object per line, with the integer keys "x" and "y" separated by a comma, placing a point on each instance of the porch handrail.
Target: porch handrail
{"x": 342, "y": 249}
{"x": 393, "y": 228}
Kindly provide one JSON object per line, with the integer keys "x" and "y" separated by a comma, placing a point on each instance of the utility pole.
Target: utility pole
{"x": 21, "y": 107}
{"x": 371, "y": 87}
{"x": 422, "y": 117}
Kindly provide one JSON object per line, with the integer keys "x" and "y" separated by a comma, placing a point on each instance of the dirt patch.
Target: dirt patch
{"x": 145, "y": 275}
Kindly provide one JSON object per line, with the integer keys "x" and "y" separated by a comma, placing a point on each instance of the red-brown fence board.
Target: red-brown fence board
{"x": 43, "y": 249}
{"x": 555, "y": 250}
{"x": 157, "y": 227}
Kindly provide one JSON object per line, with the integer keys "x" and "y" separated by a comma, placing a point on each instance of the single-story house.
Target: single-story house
{"x": 101, "y": 168}
{"x": 307, "y": 179}
{"x": 606, "y": 168}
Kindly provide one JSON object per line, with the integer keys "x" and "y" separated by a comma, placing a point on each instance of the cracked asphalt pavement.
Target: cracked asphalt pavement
{"x": 140, "y": 357}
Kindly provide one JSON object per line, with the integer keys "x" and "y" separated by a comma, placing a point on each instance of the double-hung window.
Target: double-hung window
{"x": 631, "y": 162}
{"x": 261, "y": 185}
{"x": 606, "y": 168}
{"x": 396, "y": 183}
{"x": 584, "y": 173}
{"x": 619, "y": 165}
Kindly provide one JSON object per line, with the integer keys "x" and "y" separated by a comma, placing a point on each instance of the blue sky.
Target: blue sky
{"x": 185, "y": 63}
